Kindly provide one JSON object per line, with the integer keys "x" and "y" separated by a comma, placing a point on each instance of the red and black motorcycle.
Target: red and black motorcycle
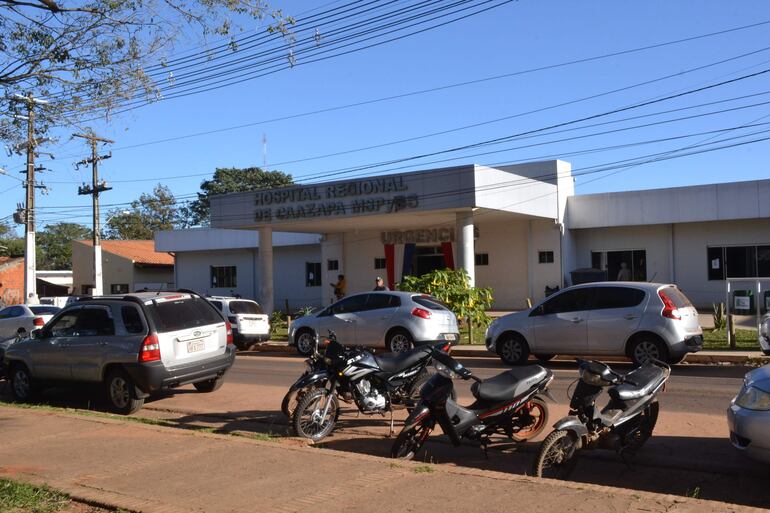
{"x": 511, "y": 403}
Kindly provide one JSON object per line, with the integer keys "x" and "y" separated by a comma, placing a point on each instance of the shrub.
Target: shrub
{"x": 452, "y": 287}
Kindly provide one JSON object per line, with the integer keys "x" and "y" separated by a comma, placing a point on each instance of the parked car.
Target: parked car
{"x": 133, "y": 344}
{"x": 634, "y": 319}
{"x": 24, "y": 318}
{"x": 394, "y": 320}
{"x": 3, "y": 346}
{"x": 749, "y": 415}
{"x": 764, "y": 334}
{"x": 250, "y": 324}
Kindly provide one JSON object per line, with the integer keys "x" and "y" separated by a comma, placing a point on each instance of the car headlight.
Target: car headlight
{"x": 753, "y": 398}
{"x": 445, "y": 371}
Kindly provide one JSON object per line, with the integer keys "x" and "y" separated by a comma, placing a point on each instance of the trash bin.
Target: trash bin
{"x": 743, "y": 302}
{"x": 587, "y": 275}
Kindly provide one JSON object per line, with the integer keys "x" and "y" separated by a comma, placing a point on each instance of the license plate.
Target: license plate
{"x": 195, "y": 345}
{"x": 450, "y": 336}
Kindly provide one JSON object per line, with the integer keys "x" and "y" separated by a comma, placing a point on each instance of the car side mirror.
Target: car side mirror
{"x": 38, "y": 333}
{"x": 538, "y": 310}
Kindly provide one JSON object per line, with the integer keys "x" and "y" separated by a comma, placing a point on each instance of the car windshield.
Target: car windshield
{"x": 429, "y": 302}
{"x": 44, "y": 310}
{"x": 183, "y": 314}
{"x": 244, "y": 307}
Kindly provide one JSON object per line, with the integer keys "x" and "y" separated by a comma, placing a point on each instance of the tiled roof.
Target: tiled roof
{"x": 140, "y": 251}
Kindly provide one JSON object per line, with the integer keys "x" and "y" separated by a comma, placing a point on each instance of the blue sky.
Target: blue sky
{"x": 518, "y": 36}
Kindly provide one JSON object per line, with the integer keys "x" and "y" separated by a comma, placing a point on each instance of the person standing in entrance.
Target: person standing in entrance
{"x": 379, "y": 284}
{"x": 340, "y": 288}
{"x": 625, "y": 273}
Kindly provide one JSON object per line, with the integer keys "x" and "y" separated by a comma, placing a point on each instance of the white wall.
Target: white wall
{"x": 544, "y": 235}
{"x": 691, "y": 262}
{"x": 192, "y": 272}
{"x": 508, "y": 269}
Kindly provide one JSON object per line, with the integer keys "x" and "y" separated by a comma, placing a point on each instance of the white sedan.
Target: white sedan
{"x": 23, "y": 319}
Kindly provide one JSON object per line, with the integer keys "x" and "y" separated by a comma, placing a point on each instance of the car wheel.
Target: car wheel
{"x": 243, "y": 344}
{"x": 121, "y": 393}
{"x": 645, "y": 349}
{"x": 399, "y": 341}
{"x": 305, "y": 342}
{"x": 23, "y": 386}
{"x": 513, "y": 349}
{"x": 209, "y": 385}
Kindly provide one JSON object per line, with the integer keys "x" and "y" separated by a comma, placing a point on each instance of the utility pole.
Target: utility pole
{"x": 94, "y": 189}
{"x": 30, "y": 261}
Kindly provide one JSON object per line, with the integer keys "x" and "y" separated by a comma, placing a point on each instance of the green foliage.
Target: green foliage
{"x": 452, "y": 287}
{"x": 12, "y": 248}
{"x": 92, "y": 56}
{"x": 147, "y": 215}
{"x": 720, "y": 319}
{"x": 227, "y": 180}
{"x": 305, "y": 310}
{"x": 30, "y": 499}
{"x": 54, "y": 245}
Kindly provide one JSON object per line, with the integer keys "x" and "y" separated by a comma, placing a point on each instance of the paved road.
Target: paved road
{"x": 702, "y": 389}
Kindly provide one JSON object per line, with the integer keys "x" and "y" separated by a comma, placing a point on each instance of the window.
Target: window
{"x": 132, "y": 321}
{"x": 621, "y": 265}
{"x": 86, "y": 289}
{"x": 379, "y": 301}
{"x": 380, "y": 263}
{"x": 244, "y": 307}
{"x": 183, "y": 314}
{"x": 545, "y": 257}
{"x": 218, "y": 304}
{"x": 94, "y": 322}
{"x": 64, "y": 326}
{"x": 312, "y": 274}
{"x": 738, "y": 262}
{"x": 14, "y": 311}
{"x": 349, "y": 305}
{"x": 616, "y": 297}
{"x": 44, "y": 310}
{"x": 224, "y": 277}
{"x": 569, "y": 301}
{"x": 332, "y": 265}
{"x": 119, "y": 288}
{"x": 429, "y": 302}
{"x": 482, "y": 258}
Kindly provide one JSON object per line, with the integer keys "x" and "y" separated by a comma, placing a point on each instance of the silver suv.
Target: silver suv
{"x": 134, "y": 345}
{"x": 638, "y": 320}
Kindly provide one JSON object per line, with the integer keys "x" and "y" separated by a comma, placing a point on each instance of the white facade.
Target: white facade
{"x": 518, "y": 229}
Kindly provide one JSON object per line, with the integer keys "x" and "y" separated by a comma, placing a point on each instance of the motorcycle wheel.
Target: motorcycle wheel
{"x": 537, "y": 412}
{"x": 649, "y": 417}
{"x": 307, "y": 419}
{"x": 557, "y": 456}
{"x": 290, "y": 400}
{"x": 409, "y": 441}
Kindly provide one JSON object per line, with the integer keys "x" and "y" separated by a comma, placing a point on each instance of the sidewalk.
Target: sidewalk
{"x": 164, "y": 470}
{"x": 480, "y": 351}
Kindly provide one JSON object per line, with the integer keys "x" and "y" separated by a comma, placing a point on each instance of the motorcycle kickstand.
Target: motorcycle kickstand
{"x": 390, "y": 435}
{"x": 484, "y": 444}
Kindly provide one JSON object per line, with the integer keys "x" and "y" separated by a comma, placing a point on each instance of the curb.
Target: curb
{"x": 278, "y": 349}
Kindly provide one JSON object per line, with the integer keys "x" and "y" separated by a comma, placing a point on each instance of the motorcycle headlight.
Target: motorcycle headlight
{"x": 753, "y": 398}
{"x": 444, "y": 370}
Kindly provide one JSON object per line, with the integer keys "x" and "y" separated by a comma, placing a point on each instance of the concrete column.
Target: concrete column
{"x": 266, "y": 269}
{"x": 98, "y": 277}
{"x": 464, "y": 229}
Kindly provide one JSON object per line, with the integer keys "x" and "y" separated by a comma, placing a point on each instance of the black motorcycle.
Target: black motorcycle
{"x": 315, "y": 375}
{"x": 624, "y": 425}
{"x": 376, "y": 384}
{"x": 510, "y": 404}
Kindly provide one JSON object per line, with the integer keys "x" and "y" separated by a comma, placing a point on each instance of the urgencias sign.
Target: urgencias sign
{"x": 375, "y": 195}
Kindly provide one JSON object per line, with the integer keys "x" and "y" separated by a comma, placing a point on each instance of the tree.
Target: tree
{"x": 149, "y": 214}
{"x": 90, "y": 56}
{"x": 54, "y": 244}
{"x": 232, "y": 180}
{"x": 452, "y": 287}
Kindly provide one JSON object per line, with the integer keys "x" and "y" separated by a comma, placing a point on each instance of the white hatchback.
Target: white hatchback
{"x": 250, "y": 324}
